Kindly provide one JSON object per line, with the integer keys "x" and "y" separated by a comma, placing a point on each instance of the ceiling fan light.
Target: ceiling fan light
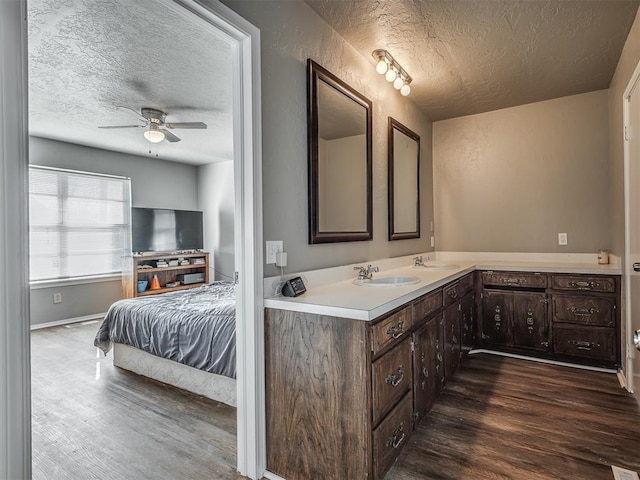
{"x": 398, "y": 83}
{"x": 382, "y": 67}
{"x": 154, "y": 136}
{"x": 405, "y": 90}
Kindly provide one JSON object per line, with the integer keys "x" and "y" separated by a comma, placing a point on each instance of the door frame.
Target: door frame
{"x": 629, "y": 349}
{"x": 15, "y": 381}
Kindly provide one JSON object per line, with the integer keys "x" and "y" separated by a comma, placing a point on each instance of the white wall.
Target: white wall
{"x": 154, "y": 183}
{"x": 216, "y": 200}
{"x": 290, "y": 33}
{"x": 512, "y": 179}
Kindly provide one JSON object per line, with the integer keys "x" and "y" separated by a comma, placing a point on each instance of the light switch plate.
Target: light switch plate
{"x": 623, "y": 474}
{"x": 273, "y": 247}
{"x": 562, "y": 239}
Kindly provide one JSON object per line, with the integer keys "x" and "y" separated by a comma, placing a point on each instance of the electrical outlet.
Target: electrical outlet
{"x": 57, "y": 298}
{"x": 562, "y": 239}
{"x": 273, "y": 247}
{"x": 433, "y": 241}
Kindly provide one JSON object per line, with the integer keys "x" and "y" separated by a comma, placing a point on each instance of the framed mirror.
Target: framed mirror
{"x": 404, "y": 182}
{"x": 339, "y": 141}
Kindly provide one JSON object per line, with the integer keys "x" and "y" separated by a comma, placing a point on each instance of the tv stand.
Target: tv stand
{"x": 143, "y": 267}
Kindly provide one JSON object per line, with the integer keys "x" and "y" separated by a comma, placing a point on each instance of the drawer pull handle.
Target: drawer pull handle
{"x": 513, "y": 281}
{"x": 583, "y": 312}
{"x": 398, "y": 436}
{"x": 582, "y": 285}
{"x": 439, "y": 356}
{"x": 396, "y": 377}
{"x": 425, "y": 372}
{"x": 454, "y": 340}
{"x": 453, "y": 293}
{"x": 396, "y": 330}
{"x": 581, "y": 345}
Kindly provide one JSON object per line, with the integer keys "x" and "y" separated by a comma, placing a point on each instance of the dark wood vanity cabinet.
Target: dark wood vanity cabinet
{"x": 567, "y": 317}
{"x": 344, "y": 395}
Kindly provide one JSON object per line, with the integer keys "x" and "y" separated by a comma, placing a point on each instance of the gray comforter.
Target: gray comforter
{"x": 195, "y": 327}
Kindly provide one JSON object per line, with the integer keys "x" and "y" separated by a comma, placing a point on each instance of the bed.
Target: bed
{"x": 184, "y": 338}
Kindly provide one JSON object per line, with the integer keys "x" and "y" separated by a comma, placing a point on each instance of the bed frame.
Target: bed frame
{"x": 210, "y": 385}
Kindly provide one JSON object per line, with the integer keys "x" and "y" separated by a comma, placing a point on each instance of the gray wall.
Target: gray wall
{"x": 154, "y": 183}
{"x": 512, "y": 179}
{"x": 216, "y": 200}
{"x": 626, "y": 66}
{"x": 291, "y": 32}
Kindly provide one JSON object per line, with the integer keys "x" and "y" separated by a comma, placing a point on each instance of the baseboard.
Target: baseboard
{"x": 271, "y": 476}
{"x": 543, "y": 360}
{"x": 622, "y": 379}
{"x": 67, "y": 321}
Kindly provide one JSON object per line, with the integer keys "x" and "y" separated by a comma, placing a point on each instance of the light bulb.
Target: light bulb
{"x": 390, "y": 75}
{"x": 405, "y": 90}
{"x": 154, "y": 136}
{"x": 398, "y": 83}
{"x": 381, "y": 66}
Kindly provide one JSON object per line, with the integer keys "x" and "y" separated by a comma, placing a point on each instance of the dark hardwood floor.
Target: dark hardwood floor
{"x": 499, "y": 419}
{"x": 92, "y": 420}
{"x": 505, "y": 418}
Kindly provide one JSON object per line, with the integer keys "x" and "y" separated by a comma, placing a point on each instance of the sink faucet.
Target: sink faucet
{"x": 419, "y": 260}
{"x": 366, "y": 273}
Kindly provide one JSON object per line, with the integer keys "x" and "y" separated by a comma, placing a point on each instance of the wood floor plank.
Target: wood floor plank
{"x": 504, "y": 418}
{"x": 91, "y": 420}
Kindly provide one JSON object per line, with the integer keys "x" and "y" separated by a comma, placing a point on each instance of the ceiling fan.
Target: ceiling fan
{"x": 155, "y": 125}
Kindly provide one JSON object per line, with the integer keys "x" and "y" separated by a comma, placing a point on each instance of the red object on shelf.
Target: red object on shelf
{"x": 155, "y": 283}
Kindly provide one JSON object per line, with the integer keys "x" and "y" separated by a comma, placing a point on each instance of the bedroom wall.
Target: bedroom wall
{"x": 154, "y": 183}
{"x": 216, "y": 200}
{"x": 290, "y": 33}
{"x": 512, "y": 179}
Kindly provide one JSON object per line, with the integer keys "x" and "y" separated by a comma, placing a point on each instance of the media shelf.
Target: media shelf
{"x": 143, "y": 268}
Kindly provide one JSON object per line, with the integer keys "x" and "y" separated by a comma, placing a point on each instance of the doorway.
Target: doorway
{"x": 15, "y": 446}
{"x": 631, "y": 112}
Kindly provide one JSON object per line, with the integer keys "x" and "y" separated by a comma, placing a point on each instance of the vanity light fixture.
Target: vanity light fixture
{"x": 154, "y": 135}
{"x": 386, "y": 65}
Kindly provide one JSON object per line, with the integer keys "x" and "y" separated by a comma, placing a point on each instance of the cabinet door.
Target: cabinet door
{"x": 530, "y": 324}
{"x": 497, "y": 315}
{"x": 451, "y": 340}
{"x": 425, "y": 383}
{"x": 467, "y": 322}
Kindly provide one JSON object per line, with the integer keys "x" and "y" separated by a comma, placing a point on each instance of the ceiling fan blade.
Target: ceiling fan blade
{"x": 134, "y": 111}
{"x": 122, "y": 126}
{"x": 196, "y": 125}
{"x": 170, "y": 137}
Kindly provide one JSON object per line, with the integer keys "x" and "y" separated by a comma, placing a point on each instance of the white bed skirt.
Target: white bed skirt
{"x": 210, "y": 385}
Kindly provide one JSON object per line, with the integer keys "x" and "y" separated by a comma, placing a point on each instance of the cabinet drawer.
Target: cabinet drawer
{"x": 465, "y": 284}
{"x": 389, "y": 331}
{"x": 450, "y": 294}
{"x": 595, "y": 283}
{"x": 514, "y": 279}
{"x": 598, "y": 311}
{"x": 389, "y": 438}
{"x": 426, "y": 306}
{"x": 587, "y": 342}
{"x": 392, "y": 378}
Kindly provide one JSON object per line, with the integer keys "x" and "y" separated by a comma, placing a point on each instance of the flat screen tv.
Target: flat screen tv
{"x": 161, "y": 230}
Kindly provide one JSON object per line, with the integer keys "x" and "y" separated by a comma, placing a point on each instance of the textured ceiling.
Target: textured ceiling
{"x": 87, "y": 56}
{"x": 473, "y": 56}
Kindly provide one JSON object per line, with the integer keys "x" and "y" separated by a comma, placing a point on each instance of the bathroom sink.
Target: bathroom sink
{"x": 438, "y": 266}
{"x": 395, "y": 281}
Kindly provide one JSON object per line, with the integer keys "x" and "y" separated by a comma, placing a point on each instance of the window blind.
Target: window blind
{"x": 79, "y": 223}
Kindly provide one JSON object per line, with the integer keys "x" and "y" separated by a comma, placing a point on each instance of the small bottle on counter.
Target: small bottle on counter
{"x": 603, "y": 256}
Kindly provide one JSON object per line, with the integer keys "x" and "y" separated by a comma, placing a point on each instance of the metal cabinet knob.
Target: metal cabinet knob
{"x": 636, "y": 339}
{"x": 636, "y": 267}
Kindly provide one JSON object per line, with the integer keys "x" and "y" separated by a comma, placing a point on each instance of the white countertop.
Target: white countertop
{"x": 332, "y": 291}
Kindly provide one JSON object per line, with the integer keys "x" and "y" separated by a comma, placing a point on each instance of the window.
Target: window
{"x": 78, "y": 223}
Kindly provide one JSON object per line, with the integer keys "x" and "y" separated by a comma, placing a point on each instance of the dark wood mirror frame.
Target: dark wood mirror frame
{"x": 394, "y": 126}
{"x": 316, "y": 74}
